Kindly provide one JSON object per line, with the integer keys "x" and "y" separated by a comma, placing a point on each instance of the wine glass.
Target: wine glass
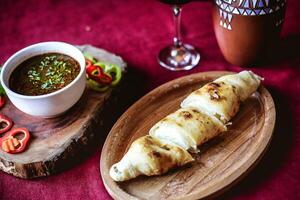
{"x": 178, "y": 56}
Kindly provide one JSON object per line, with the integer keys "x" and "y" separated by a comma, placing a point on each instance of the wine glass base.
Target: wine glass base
{"x": 184, "y": 57}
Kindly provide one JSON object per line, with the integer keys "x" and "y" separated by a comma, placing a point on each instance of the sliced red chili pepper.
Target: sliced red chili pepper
{"x": 88, "y": 63}
{"x": 113, "y": 70}
{"x": 5, "y": 123}
{"x": 11, "y": 144}
{"x": 96, "y": 73}
{"x": 2, "y": 100}
{"x": 90, "y": 69}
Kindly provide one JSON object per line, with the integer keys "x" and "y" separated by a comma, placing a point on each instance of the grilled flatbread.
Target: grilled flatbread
{"x": 149, "y": 156}
{"x": 187, "y": 128}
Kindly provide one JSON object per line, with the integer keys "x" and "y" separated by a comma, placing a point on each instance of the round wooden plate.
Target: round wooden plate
{"x": 57, "y": 143}
{"x": 221, "y": 162}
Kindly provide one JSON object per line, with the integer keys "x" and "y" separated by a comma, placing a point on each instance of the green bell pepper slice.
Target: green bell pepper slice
{"x": 2, "y": 91}
{"x": 111, "y": 69}
{"x": 96, "y": 86}
{"x": 89, "y": 57}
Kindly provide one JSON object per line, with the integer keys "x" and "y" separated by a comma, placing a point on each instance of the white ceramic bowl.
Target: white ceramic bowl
{"x": 52, "y": 104}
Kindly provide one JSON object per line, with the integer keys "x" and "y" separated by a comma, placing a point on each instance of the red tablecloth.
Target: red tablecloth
{"x": 136, "y": 30}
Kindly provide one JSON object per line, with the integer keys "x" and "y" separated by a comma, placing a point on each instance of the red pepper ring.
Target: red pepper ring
{"x": 8, "y": 123}
{"x": 10, "y": 144}
{"x": 96, "y": 73}
{"x": 88, "y": 63}
{"x": 2, "y": 100}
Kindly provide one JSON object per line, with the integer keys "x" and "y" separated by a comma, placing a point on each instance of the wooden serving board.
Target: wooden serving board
{"x": 56, "y": 142}
{"x": 220, "y": 163}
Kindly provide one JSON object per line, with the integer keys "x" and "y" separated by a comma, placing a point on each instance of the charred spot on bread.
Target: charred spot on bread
{"x": 214, "y": 95}
{"x": 195, "y": 111}
{"x": 116, "y": 170}
{"x": 213, "y": 84}
{"x": 165, "y": 147}
{"x": 156, "y": 154}
{"x": 148, "y": 140}
{"x": 179, "y": 124}
{"x": 186, "y": 114}
{"x": 213, "y": 90}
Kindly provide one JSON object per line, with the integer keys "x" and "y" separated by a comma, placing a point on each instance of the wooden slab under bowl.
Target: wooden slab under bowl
{"x": 56, "y": 142}
{"x": 221, "y": 162}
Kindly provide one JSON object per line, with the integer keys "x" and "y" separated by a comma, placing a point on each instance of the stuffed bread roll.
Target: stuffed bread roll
{"x": 202, "y": 116}
{"x": 246, "y": 83}
{"x": 216, "y": 99}
{"x": 221, "y": 98}
{"x": 149, "y": 156}
{"x": 187, "y": 128}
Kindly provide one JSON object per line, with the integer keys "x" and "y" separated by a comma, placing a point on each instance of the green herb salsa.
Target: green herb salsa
{"x": 43, "y": 74}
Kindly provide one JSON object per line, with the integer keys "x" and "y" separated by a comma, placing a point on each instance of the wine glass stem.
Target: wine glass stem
{"x": 177, "y": 18}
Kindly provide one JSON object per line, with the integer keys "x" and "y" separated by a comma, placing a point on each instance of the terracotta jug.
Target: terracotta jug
{"x": 248, "y": 30}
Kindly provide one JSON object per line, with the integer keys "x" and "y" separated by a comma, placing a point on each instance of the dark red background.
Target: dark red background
{"x": 136, "y": 30}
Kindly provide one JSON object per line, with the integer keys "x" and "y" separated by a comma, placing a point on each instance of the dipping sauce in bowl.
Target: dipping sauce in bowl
{"x": 45, "y": 79}
{"x": 43, "y": 74}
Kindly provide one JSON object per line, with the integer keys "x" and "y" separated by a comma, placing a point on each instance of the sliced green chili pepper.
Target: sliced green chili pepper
{"x": 2, "y": 94}
{"x": 89, "y": 57}
{"x": 2, "y": 91}
{"x": 96, "y": 86}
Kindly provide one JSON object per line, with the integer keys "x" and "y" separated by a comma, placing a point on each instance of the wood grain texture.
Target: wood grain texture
{"x": 57, "y": 141}
{"x": 221, "y": 161}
